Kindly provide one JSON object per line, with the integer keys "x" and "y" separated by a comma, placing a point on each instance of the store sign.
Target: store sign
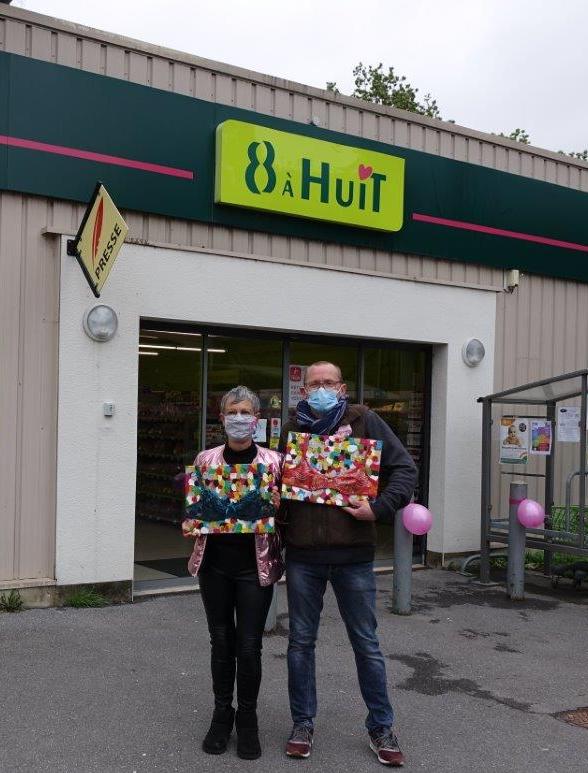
{"x": 274, "y": 176}
{"x": 99, "y": 239}
{"x": 275, "y": 171}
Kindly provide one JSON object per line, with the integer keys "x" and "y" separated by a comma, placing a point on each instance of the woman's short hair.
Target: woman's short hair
{"x": 238, "y": 394}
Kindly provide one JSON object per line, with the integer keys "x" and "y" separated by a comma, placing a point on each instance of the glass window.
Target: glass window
{"x": 168, "y": 435}
{"x": 254, "y": 363}
{"x": 170, "y": 415}
{"x": 394, "y": 387}
{"x": 304, "y": 353}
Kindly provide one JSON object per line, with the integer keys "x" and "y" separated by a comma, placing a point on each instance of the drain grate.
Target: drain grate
{"x": 578, "y": 717}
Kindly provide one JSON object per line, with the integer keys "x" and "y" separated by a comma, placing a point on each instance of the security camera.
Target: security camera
{"x": 512, "y": 279}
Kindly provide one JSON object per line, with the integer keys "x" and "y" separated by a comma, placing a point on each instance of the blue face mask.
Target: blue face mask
{"x": 322, "y": 400}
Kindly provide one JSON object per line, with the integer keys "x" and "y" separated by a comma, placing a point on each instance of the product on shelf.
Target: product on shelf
{"x": 167, "y": 438}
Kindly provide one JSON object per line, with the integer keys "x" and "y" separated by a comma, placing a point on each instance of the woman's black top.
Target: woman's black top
{"x": 232, "y": 553}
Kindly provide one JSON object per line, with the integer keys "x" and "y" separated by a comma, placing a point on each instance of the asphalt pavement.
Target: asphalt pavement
{"x": 477, "y": 683}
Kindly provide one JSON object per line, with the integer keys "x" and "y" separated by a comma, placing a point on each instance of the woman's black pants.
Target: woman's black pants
{"x": 236, "y": 609}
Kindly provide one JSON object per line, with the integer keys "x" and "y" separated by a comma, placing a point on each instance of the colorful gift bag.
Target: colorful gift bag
{"x": 330, "y": 470}
{"x": 229, "y": 499}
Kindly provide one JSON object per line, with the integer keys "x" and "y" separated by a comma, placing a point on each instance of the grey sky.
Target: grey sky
{"x": 493, "y": 65}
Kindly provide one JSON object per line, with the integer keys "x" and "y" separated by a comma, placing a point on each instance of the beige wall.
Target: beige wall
{"x": 29, "y": 307}
{"x": 541, "y": 331}
{"x": 30, "y": 281}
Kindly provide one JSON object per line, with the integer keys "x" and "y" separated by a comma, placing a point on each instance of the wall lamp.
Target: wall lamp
{"x": 473, "y": 352}
{"x": 100, "y": 323}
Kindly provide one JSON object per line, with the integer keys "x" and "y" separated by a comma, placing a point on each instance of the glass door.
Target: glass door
{"x": 168, "y": 437}
{"x": 183, "y": 373}
{"x": 252, "y": 362}
{"x": 394, "y": 386}
{"x": 303, "y": 353}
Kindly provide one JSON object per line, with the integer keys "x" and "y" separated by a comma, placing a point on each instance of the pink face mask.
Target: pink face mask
{"x": 240, "y": 426}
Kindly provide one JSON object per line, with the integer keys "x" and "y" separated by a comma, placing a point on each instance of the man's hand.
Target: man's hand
{"x": 360, "y": 510}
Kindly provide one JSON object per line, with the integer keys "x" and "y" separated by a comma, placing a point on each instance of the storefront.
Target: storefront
{"x": 179, "y": 402}
{"x": 270, "y": 226}
{"x": 408, "y": 366}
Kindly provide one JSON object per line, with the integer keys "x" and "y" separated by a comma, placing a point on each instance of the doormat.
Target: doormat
{"x": 578, "y": 717}
{"x": 178, "y": 567}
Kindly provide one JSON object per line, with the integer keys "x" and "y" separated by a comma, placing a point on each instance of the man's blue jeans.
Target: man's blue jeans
{"x": 355, "y": 590}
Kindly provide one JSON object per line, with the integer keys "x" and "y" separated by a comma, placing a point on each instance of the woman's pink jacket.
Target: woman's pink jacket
{"x": 268, "y": 548}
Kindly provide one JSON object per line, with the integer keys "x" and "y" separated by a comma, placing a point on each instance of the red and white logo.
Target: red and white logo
{"x": 97, "y": 232}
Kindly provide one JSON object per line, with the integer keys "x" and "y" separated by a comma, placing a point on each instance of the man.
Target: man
{"x": 338, "y": 544}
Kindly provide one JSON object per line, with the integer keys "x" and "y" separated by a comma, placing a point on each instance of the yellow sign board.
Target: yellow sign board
{"x": 291, "y": 174}
{"x": 99, "y": 239}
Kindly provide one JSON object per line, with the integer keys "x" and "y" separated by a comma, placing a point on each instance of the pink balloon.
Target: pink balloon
{"x": 530, "y": 514}
{"x": 417, "y": 519}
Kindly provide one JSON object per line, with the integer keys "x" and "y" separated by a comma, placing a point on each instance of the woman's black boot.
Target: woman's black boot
{"x": 248, "y": 746}
{"x": 217, "y": 738}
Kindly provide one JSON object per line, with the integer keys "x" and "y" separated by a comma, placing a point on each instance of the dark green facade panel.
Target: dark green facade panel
{"x": 154, "y": 151}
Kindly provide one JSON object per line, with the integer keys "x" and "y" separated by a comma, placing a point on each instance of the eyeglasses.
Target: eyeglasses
{"x": 327, "y": 384}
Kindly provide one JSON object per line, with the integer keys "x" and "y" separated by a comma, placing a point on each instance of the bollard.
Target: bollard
{"x": 402, "y": 577}
{"x": 271, "y": 620}
{"x": 515, "y": 575}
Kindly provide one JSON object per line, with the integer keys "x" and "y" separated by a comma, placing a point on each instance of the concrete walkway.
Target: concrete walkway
{"x": 475, "y": 679}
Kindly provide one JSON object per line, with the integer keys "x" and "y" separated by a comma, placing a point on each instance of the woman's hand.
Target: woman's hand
{"x": 276, "y": 499}
{"x": 342, "y": 433}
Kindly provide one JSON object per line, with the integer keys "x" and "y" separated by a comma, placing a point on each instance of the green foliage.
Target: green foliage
{"x": 518, "y": 135}
{"x": 11, "y": 602}
{"x": 86, "y": 597}
{"x": 522, "y": 136}
{"x": 373, "y": 84}
{"x": 535, "y": 559}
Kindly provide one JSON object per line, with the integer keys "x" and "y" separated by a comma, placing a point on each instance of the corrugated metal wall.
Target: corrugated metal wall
{"x": 543, "y": 310}
{"x": 29, "y": 307}
{"x": 542, "y": 331}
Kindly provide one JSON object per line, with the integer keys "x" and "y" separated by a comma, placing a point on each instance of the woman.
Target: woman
{"x": 237, "y": 573}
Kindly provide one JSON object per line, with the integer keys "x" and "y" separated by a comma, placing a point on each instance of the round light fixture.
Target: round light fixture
{"x": 473, "y": 352}
{"x": 100, "y": 323}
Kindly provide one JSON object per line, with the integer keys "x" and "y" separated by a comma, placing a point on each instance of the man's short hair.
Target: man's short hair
{"x": 323, "y": 362}
{"x": 237, "y": 395}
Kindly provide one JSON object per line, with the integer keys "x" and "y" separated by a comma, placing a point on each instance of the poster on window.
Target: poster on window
{"x": 514, "y": 440}
{"x": 275, "y": 429}
{"x": 295, "y": 382}
{"x": 541, "y": 437}
{"x": 568, "y": 424}
{"x": 260, "y": 435}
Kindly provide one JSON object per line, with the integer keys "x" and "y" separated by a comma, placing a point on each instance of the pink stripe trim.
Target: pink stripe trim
{"x": 486, "y": 229}
{"x": 102, "y": 158}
